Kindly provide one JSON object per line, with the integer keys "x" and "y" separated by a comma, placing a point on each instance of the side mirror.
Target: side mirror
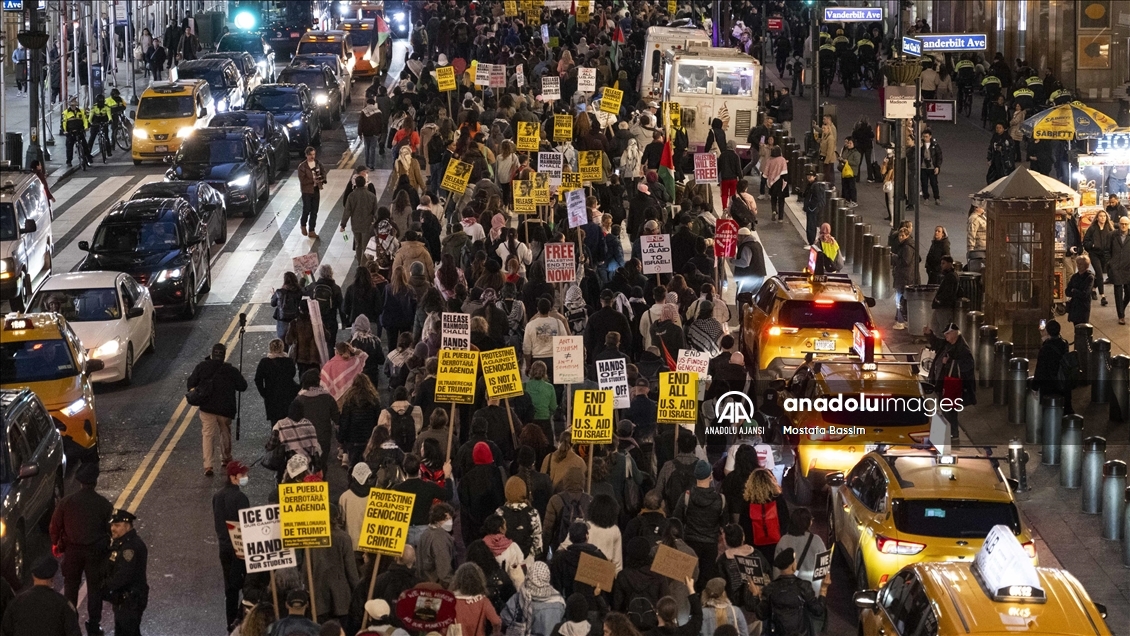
{"x": 93, "y": 366}
{"x": 84, "y": 246}
{"x": 203, "y": 113}
{"x": 1102, "y": 610}
{"x": 867, "y": 599}
{"x": 135, "y": 312}
{"x": 30, "y": 469}
{"x": 835, "y": 479}
{"x": 869, "y": 301}
{"x": 29, "y": 227}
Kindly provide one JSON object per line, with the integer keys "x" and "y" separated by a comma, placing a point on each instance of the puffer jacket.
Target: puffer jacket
{"x": 226, "y": 381}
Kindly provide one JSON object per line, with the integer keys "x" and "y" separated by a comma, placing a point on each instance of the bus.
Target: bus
{"x": 713, "y": 83}
{"x": 660, "y": 40}
{"x": 367, "y": 55}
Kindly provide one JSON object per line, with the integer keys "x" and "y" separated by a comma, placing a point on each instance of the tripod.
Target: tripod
{"x": 239, "y": 394}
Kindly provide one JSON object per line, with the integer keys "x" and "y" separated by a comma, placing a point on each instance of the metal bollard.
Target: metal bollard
{"x": 1100, "y": 371}
{"x": 838, "y": 218}
{"x": 881, "y": 271}
{"x": 961, "y": 317}
{"x": 1053, "y": 421}
{"x": 849, "y": 237}
{"x": 986, "y": 342}
{"x": 1071, "y": 451}
{"x": 972, "y": 337}
{"x": 1120, "y": 389}
{"x": 1083, "y": 336}
{"x": 1002, "y": 352}
{"x": 869, "y": 241}
{"x": 857, "y": 240}
{"x": 1126, "y": 530}
{"x": 1114, "y": 505}
{"x": 1032, "y": 412}
{"x": 1016, "y": 385}
{"x": 1091, "y": 479}
{"x": 829, "y": 210}
{"x": 1018, "y": 464}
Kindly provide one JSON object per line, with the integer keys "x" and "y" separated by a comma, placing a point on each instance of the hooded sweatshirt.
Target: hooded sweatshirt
{"x": 480, "y": 490}
{"x": 636, "y": 580}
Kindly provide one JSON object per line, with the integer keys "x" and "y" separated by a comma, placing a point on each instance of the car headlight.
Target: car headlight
{"x": 398, "y": 16}
{"x": 240, "y": 182}
{"x": 140, "y": 134}
{"x": 185, "y": 132}
{"x": 321, "y": 100}
{"x": 76, "y": 407}
{"x": 294, "y": 124}
{"x": 7, "y": 266}
{"x": 3, "y": 529}
{"x": 108, "y": 348}
{"x": 168, "y": 274}
{"x": 222, "y": 105}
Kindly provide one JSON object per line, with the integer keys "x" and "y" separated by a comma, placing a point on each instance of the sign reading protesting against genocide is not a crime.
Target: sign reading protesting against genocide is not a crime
{"x": 501, "y": 374}
{"x": 388, "y": 514}
{"x": 455, "y": 378}
{"x": 304, "y": 514}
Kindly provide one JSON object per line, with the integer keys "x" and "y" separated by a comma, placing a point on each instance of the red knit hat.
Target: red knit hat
{"x": 481, "y": 454}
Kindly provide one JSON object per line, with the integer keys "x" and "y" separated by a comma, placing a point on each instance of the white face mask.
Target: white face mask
{"x": 447, "y": 525}
{"x": 243, "y": 480}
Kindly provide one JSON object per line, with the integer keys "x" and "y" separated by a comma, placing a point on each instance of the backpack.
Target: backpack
{"x": 389, "y": 474}
{"x": 324, "y": 294}
{"x": 642, "y": 614}
{"x": 632, "y": 496}
{"x": 402, "y": 428}
{"x": 518, "y": 527}
{"x": 199, "y": 394}
{"x": 288, "y": 305}
{"x": 574, "y": 508}
{"x": 516, "y": 330}
{"x": 680, "y": 481}
{"x": 766, "y": 524}
{"x": 740, "y": 212}
{"x": 1069, "y": 373}
{"x": 576, "y": 319}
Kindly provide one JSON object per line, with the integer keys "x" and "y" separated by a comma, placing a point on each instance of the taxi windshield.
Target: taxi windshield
{"x": 954, "y": 518}
{"x": 324, "y": 46}
{"x": 27, "y": 361}
{"x": 166, "y": 107}
{"x": 360, "y": 37}
{"x": 808, "y": 314}
{"x": 135, "y": 237}
{"x": 80, "y": 305}
{"x": 274, "y": 101}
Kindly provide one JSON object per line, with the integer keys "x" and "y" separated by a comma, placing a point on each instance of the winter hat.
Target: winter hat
{"x": 377, "y": 608}
{"x": 651, "y": 225}
{"x": 45, "y": 568}
{"x": 441, "y": 60}
{"x": 297, "y": 465}
{"x": 481, "y": 454}
{"x": 576, "y": 608}
{"x": 702, "y": 470}
{"x": 745, "y": 231}
{"x": 515, "y": 490}
{"x": 637, "y": 553}
{"x": 624, "y": 428}
{"x": 362, "y": 472}
{"x": 652, "y": 177}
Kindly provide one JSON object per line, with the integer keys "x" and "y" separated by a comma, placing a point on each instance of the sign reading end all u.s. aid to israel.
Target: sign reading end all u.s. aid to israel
{"x": 678, "y": 397}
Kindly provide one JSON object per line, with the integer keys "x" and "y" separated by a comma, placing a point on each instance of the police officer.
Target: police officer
{"x": 1039, "y": 92}
{"x": 75, "y": 125}
{"x": 100, "y": 117}
{"x": 117, "y": 105}
{"x": 991, "y": 87}
{"x": 79, "y": 532}
{"x": 226, "y": 504}
{"x": 966, "y": 75}
{"x": 826, "y": 57}
{"x": 40, "y": 610}
{"x": 125, "y": 586}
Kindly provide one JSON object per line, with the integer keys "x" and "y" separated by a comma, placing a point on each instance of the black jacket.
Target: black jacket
{"x": 693, "y": 626}
{"x": 604, "y": 321}
{"x": 729, "y": 165}
{"x": 948, "y": 292}
{"x": 480, "y": 494}
{"x": 1048, "y": 362}
{"x": 1078, "y": 294}
{"x": 391, "y": 583}
{"x": 226, "y": 381}
{"x": 684, "y": 245}
{"x": 274, "y": 379}
{"x": 563, "y": 569}
{"x": 226, "y": 504}
{"x": 785, "y": 602}
{"x": 933, "y": 156}
{"x": 356, "y": 423}
{"x": 42, "y": 611}
{"x": 703, "y": 512}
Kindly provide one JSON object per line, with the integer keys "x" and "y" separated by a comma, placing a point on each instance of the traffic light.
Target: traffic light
{"x": 247, "y": 16}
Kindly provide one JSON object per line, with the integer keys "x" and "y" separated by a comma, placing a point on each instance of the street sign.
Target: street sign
{"x": 944, "y": 42}
{"x": 899, "y": 102}
{"x": 776, "y": 24}
{"x": 384, "y": 529}
{"x": 911, "y": 46}
{"x": 853, "y": 14}
{"x": 560, "y": 263}
{"x": 725, "y": 238}
{"x": 941, "y": 110}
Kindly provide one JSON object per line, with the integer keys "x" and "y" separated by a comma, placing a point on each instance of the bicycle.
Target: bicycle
{"x": 78, "y": 138}
{"x": 965, "y": 99}
{"x": 103, "y": 136}
{"x": 123, "y": 130}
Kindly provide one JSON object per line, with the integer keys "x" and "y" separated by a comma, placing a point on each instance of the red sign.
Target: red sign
{"x": 560, "y": 263}
{"x": 776, "y": 24}
{"x": 725, "y": 238}
{"x": 426, "y": 610}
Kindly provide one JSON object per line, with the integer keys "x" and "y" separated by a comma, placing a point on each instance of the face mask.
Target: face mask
{"x": 243, "y": 480}
{"x": 447, "y": 525}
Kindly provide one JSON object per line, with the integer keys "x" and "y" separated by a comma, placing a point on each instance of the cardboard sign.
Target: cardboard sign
{"x": 655, "y": 249}
{"x": 595, "y": 571}
{"x": 592, "y": 417}
{"x": 501, "y": 374}
{"x": 673, "y": 563}
{"x": 705, "y": 168}
{"x": 562, "y": 128}
{"x": 529, "y": 135}
{"x": 520, "y": 75}
{"x": 612, "y": 375}
{"x": 455, "y": 331}
{"x": 305, "y": 265}
{"x": 524, "y": 200}
{"x": 678, "y": 397}
{"x": 387, "y": 516}
{"x": 262, "y": 540}
{"x": 498, "y": 76}
{"x": 675, "y": 113}
{"x": 823, "y": 565}
{"x": 568, "y": 358}
{"x": 611, "y": 99}
{"x": 590, "y": 163}
{"x": 445, "y": 77}
{"x": 550, "y": 88}
{"x": 304, "y": 514}
{"x": 426, "y": 610}
{"x": 725, "y": 238}
{"x": 456, "y": 177}
{"x": 586, "y": 79}
{"x": 541, "y": 188}
{"x": 570, "y": 181}
{"x": 693, "y": 361}
{"x": 578, "y": 213}
{"x": 750, "y": 569}
{"x": 455, "y": 380}
{"x": 560, "y": 263}
{"x": 482, "y": 74}
{"x": 549, "y": 163}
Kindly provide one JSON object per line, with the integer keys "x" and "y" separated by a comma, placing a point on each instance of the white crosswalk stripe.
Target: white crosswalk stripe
{"x": 102, "y": 196}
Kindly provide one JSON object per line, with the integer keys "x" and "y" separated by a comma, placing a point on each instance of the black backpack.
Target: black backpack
{"x": 518, "y": 527}
{"x": 324, "y": 294}
{"x": 642, "y": 614}
{"x": 574, "y": 508}
{"x": 288, "y": 308}
{"x": 632, "y": 496}
{"x": 1069, "y": 373}
{"x": 402, "y": 429}
{"x": 741, "y": 213}
{"x": 680, "y": 481}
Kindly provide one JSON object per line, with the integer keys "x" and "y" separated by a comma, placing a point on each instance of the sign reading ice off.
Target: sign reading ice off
{"x": 911, "y": 46}
{"x": 853, "y": 14}
{"x": 953, "y": 42}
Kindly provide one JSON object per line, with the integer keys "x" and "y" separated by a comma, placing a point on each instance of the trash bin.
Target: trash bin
{"x": 918, "y": 311}
{"x": 14, "y": 149}
{"x": 969, "y": 283}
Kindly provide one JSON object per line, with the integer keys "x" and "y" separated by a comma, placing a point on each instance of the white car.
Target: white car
{"x": 111, "y": 314}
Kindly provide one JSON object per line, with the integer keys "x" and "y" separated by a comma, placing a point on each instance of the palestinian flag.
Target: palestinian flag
{"x": 383, "y": 30}
{"x": 667, "y": 169}
{"x": 617, "y": 40}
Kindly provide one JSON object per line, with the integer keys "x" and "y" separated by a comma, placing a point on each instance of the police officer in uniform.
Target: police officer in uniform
{"x": 826, "y": 57}
{"x": 74, "y": 126}
{"x": 966, "y": 75}
{"x": 79, "y": 532}
{"x": 125, "y": 586}
{"x": 117, "y": 105}
{"x": 100, "y": 117}
{"x": 991, "y": 87}
{"x": 40, "y": 610}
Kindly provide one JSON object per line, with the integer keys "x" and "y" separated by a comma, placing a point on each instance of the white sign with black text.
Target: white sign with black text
{"x": 262, "y": 540}
{"x": 456, "y": 331}
{"x": 549, "y": 163}
{"x": 656, "y": 251}
{"x": 613, "y": 375}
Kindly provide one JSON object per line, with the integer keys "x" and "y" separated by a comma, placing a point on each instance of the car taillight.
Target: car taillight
{"x": 875, "y": 334}
{"x": 1030, "y": 548}
{"x": 824, "y": 301}
{"x": 776, "y": 330}
{"x": 825, "y": 437}
{"x": 883, "y": 579}
{"x": 886, "y": 545}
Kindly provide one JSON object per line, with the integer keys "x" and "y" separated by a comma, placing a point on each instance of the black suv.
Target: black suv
{"x": 244, "y": 61}
{"x": 162, "y": 243}
{"x": 231, "y": 160}
{"x": 254, "y": 44}
{"x": 223, "y": 78}
{"x": 293, "y": 106}
{"x": 202, "y": 197}
{"x": 324, "y": 85}
{"x": 272, "y": 136}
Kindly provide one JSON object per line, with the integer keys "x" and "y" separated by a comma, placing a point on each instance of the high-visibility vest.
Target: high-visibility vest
{"x": 74, "y": 115}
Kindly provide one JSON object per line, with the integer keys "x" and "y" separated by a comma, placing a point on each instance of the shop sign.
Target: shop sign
{"x": 1113, "y": 142}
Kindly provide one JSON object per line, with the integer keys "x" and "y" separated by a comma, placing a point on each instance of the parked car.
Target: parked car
{"x": 245, "y": 62}
{"x": 111, "y": 314}
{"x": 254, "y": 44}
{"x": 293, "y": 106}
{"x": 332, "y": 62}
{"x": 25, "y": 237}
{"x": 162, "y": 243}
{"x": 202, "y": 197}
{"x": 272, "y": 136}
{"x": 223, "y": 78}
{"x": 324, "y": 85}
{"x": 231, "y": 160}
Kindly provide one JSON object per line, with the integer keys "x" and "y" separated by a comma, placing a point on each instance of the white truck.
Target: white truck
{"x": 713, "y": 83}
{"x": 660, "y": 40}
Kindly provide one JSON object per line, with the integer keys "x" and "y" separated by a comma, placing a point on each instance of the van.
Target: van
{"x": 167, "y": 113}
{"x": 340, "y": 43}
{"x": 660, "y": 40}
{"x": 25, "y": 237}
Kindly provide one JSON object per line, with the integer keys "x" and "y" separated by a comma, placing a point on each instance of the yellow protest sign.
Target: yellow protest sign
{"x": 455, "y": 381}
{"x": 500, "y": 372}
{"x": 672, "y": 7}
{"x": 524, "y": 200}
{"x": 675, "y": 113}
{"x": 562, "y": 128}
{"x": 591, "y": 165}
{"x": 592, "y": 417}
{"x": 510, "y": 7}
{"x": 529, "y": 135}
{"x": 445, "y": 77}
{"x": 678, "y": 397}
{"x": 582, "y": 12}
{"x": 388, "y": 513}
{"x": 541, "y": 188}
{"x": 570, "y": 181}
{"x": 610, "y": 100}
{"x": 456, "y": 177}
{"x": 473, "y": 70}
{"x": 304, "y": 514}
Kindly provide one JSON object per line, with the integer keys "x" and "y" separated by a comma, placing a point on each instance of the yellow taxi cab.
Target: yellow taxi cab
{"x": 900, "y": 506}
{"x": 167, "y": 113}
{"x": 40, "y": 352}
{"x": 794, "y": 313}
{"x": 340, "y": 43}
{"x": 998, "y": 593}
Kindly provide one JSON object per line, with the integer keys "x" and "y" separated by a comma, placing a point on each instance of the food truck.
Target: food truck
{"x": 660, "y": 40}
{"x": 713, "y": 83}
